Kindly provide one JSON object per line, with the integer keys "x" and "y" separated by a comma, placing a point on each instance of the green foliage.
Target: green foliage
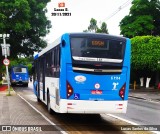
{"x": 94, "y": 28}
{"x": 23, "y": 61}
{"x": 26, "y": 23}
{"x": 143, "y": 25}
{"x": 93, "y": 25}
{"x": 30, "y": 68}
{"x": 145, "y": 53}
{"x": 103, "y": 28}
{"x": 143, "y": 19}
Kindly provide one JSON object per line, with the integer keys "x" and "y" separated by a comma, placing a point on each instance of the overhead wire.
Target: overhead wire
{"x": 119, "y": 9}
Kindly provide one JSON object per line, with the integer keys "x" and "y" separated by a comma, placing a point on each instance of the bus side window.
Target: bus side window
{"x": 53, "y": 58}
{"x": 58, "y": 60}
{"x": 41, "y": 69}
{"x": 47, "y": 64}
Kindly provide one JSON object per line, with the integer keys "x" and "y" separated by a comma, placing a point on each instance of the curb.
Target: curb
{"x": 137, "y": 97}
{"x": 147, "y": 99}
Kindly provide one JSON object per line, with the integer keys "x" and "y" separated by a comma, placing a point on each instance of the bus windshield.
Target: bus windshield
{"x": 19, "y": 70}
{"x": 95, "y": 49}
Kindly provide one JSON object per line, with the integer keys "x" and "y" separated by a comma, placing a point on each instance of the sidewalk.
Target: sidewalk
{"x": 14, "y": 112}
{"x": 149, "y": 94}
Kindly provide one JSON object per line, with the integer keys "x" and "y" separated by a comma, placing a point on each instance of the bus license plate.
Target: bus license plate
{"x": 96, "y": 91}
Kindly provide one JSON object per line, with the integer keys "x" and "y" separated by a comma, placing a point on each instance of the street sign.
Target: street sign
{"x": 5, "y": 49}
{"x": 6, "y": 62}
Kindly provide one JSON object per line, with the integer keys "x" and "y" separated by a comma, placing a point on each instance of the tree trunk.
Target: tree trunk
{"x": 157, "y": 78}
{"x": 147, "y": 82}
{"x": 141, "y": 81}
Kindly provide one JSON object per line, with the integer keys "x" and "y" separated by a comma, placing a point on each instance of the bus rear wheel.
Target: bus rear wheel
{"x": 13, "y": 85}
{"x": 48, "y": 103}
{"x": 26, "y": 85}
{"x": 38, "y": 95}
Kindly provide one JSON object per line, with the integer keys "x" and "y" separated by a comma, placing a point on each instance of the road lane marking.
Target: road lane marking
{"x": 117, "y": 117}
{"x": 63, "y": 132}
{"x": 133, "y": 123}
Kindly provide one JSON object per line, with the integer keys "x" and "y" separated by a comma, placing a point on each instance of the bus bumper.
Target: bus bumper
{"x": 87, "y": 106}
{"x": 19, "y": 82}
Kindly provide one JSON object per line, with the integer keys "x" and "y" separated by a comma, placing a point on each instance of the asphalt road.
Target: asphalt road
{"x": 142, "y": 112}
{"x": 80, "y": 123}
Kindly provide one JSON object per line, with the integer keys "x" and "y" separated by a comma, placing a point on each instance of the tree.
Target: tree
{"x": 143, "y": 19}
{"x": 93, "y": 25}
{"x": 145, "y": 55}
{"x": 26, "y": 23}
{"x": 103, "y": 28}
{"x": 145, "y": 52}
{"x": 94, "y": 28}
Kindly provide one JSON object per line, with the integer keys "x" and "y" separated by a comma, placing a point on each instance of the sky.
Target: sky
{"x": 81, "y": 13}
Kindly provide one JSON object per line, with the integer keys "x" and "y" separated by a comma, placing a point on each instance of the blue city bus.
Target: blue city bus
{"x": 19, "y": 75}
{"x": 84, "y": 73}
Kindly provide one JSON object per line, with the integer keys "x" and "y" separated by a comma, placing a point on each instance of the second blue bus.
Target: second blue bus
{"x": 19, "y": 75}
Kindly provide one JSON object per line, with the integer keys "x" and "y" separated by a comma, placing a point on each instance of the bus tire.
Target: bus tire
{"x": 12, "y": 84}
{"x": 48, "y": 103}
{"x": 26, "y": 85}
{"x": 38, "y": 100}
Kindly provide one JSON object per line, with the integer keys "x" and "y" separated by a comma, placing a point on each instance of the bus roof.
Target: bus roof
{"x": 98, "y": 35}
{"x": 50, "y": 46}
{"x": 19, "y": 66}
{"x": 58, "y": 40}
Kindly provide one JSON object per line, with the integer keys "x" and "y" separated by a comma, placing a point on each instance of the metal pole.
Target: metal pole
{"x": 5, "y": 53}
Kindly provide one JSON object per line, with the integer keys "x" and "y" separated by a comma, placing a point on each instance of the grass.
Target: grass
{"x": 11, "y": 89}
{"x": 8, "y": 94}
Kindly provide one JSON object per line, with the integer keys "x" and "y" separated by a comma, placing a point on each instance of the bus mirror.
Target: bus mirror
{"x": 63, "y": 43}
